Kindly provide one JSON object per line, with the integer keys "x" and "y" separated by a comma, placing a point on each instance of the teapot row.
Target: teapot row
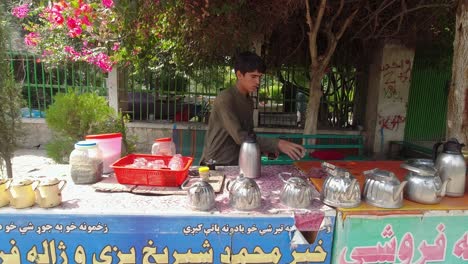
{"x": 24, "y": 193}
{"x": 422, "y": 184}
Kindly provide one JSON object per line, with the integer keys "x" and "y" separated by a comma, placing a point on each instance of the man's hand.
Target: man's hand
{"x": 293, "y": 150}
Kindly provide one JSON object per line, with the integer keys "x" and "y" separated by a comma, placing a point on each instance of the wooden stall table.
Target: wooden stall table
{"x": 125, "y": 227}
{"x": 415, "y": 233}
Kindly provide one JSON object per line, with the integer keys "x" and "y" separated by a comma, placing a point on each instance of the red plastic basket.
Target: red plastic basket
{"x": 154, "y": 177}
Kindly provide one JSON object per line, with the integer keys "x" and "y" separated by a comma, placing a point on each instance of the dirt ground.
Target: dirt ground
{"x": 34, "y": 162}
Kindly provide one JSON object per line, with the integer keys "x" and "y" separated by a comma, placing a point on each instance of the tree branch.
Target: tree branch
{"x": 404, "y": 12}
{"x": 338, "y": 12}
{"x": 373, "y": 15}
{"x": 312, "y": 38}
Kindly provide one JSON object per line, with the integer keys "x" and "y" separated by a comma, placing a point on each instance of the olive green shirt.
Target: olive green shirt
{"x": 230, "y": 121}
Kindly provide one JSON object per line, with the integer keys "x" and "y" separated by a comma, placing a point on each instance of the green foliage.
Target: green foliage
{"x": 74, "y": 115}
{"x": 10, "y": 104}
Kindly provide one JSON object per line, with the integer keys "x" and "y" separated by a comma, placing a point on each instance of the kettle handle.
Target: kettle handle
{"x": 369, "y": 172}
{"x": 280, "y": 175}
{"x": 435, "y": 149}
{"x": 183, "y": 185}
{"x": 7, "y": 184}
{"x": 35, "y": 184}
{"x": 228, "y": 185}
{"x": 63, "y": 182}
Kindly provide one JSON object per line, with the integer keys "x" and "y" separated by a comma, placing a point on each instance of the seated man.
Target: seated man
{"x": 231, "y": 118}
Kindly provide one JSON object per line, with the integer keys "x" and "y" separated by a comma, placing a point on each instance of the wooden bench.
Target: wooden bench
{"x": 410, "y": 149}
{"x": 350, "y": 147}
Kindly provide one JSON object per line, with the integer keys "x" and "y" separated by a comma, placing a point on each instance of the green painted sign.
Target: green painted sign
{"x": 401, "y": 239}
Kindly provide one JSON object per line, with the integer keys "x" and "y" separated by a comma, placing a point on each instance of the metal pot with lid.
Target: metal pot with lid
{"x": 383, "y": 189}
{"x": 424, "y": 184}
{"x": 244, "y": 193}
{"x": 200, "y": 195}
{"x": 340, "y": 188}
{"x": 296, "y": 192}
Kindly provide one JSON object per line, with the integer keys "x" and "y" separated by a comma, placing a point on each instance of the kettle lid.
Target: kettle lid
{"x": 453, "y": 146}
{"x": 251, "y": 138}
{"x": 423, "y": 167}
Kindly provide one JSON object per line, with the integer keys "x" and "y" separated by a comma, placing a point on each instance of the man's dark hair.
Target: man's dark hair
{"x": 249, "y": 62}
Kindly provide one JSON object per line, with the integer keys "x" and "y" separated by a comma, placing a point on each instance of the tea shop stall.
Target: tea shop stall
{"x": 109, "y": 222}
{"x": 424, "y": 227}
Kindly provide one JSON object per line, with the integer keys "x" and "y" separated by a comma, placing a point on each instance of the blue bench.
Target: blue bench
{"x": 351, "y": 147}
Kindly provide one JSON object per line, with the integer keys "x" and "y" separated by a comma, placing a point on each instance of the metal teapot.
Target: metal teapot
{"x": 4, "y": 195}
{"x": 451, "y": 165}
{"x": 340, "y": 188}
{"x": 297, "y": 192}
{"x": 249, "y": 157}
{"x": 49, "y": 192}
{"x": 244, "y": 193}
{"x": 22, "y": 193}
{"x": 424, "y": 184}
{"x": 200, "y": 195}
{"x": 383, "y": 189}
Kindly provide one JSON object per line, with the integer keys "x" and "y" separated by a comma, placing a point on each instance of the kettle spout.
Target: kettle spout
{"x": 444, "y": 188}
{"x": 349, "y": 191}
{"x": 397, "y": 193}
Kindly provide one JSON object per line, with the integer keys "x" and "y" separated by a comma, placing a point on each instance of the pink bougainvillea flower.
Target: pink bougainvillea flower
{"x": 73, "y": 54}
{"x": 31, "y": 39}
{"x": 85, "y": 8}
{"x": 116, "y": 46}
{"x": 20, "y": 11}
{"x": 108, "y": 3}
{"x": 54, "y": 15}
{"x": 85, "y": 21}
{"x": 46, "y": 53}
{"x": 74, "y": 27}
{"x": 102, "y": 61}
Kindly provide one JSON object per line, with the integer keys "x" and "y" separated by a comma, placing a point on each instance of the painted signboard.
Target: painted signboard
{"x": 37, "y": 238}
{"x": 402, "y": 239}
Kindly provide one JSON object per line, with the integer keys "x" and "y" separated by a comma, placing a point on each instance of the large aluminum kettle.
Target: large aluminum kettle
{"x": 244, "y": 193}
{"x": 200, "y": 195}
{"x": 249, "y": 157}
{"x": 383, "y": 189}
{"x": 340, "y": 188}
{"x": 424, "y": 184}
{"x": 296, "y": 192}
{"x": 451, "y": 164}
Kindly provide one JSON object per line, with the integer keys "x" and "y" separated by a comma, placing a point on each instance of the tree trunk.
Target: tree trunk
{"x": 314, "y": 103}
{"x": 458, "y": 95}
{"x": 9, "y": 167}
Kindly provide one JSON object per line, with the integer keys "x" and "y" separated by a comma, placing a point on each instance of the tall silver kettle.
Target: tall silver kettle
{"x": 249, "y": 157}
{"x": 451, "y": 164}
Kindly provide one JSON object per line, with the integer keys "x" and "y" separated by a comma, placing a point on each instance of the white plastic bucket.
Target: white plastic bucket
{"x": 110, "y": 146}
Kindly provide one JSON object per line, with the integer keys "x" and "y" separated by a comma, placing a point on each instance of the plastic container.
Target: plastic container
{"x": 110, "y": 146}
{"x": 154, "y": 177}
{"x": 163, "y": 147}
{"x": 86, "y": 163}
{"x": 204, "y": 173}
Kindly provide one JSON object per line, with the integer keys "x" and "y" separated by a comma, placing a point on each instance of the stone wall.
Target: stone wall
{"x": 37, "y": 132}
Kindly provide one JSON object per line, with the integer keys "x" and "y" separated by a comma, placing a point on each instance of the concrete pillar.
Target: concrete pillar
{"x": 387, "y": 98}
{"x": 113, "y": 89}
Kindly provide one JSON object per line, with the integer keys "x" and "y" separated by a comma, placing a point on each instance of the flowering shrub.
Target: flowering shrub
{"x": 79, "y": 30}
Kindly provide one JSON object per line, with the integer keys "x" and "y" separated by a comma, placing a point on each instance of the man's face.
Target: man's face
{"x": 248, "y": 82}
